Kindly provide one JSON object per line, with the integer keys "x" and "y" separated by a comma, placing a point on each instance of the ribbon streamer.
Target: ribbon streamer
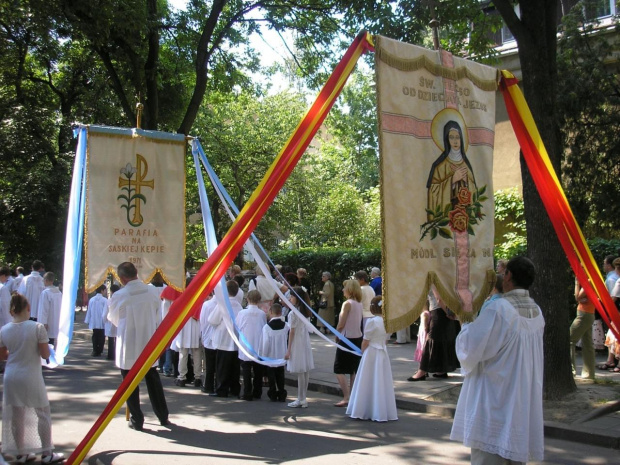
{"x": 231, "y": 209}
{"x": 215, "y": 267}
{"x": 73, "y": 245}
{"x": 554, "y": 199}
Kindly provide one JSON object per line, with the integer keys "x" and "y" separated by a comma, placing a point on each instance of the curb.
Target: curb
{"x": 576, "y": 432}
{"x": 581, "y": 434}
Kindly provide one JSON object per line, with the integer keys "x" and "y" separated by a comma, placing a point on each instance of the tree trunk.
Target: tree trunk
{"x": 537, "y": 53}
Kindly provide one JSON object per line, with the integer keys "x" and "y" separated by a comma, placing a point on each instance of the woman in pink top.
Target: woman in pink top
{"x": 350, "y": 326}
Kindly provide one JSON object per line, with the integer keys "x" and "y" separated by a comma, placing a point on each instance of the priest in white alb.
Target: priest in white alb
{"x": 49, "y": 307}
{"x": 31, "y": 287}
{"x": 499, "y": 413}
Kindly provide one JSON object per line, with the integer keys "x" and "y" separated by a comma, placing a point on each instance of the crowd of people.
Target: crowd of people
{"x": 237, "y": 349}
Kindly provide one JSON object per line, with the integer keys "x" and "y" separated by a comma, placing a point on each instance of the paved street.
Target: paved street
{"x": 231, "y": 431}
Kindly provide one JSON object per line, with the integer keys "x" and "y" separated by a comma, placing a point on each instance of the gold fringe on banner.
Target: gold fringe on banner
{"x": 449, "y": 299}
{"x": 423, "y": 62}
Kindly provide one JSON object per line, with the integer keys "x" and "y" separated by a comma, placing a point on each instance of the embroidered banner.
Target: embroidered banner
{"x": 135, "y": 204}
{"x": 436, "y": 130}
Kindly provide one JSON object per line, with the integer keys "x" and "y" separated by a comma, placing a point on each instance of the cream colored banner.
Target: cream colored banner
{"x": 436, "y": 130}
{"x": 135, "y": 204}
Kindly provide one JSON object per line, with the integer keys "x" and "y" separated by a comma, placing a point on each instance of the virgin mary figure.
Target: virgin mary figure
{"x": 450, "y": 173}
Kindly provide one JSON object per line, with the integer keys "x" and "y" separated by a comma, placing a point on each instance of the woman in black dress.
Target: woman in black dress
{"x": 439, "y": 355}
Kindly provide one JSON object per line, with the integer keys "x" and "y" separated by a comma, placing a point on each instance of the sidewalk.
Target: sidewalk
{"x": 439, "y": 396}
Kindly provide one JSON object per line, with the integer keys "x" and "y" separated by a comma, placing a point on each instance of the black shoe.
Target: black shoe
{"x": 197, "y": 383}
{"x": 421, "y": 378}
{"x": 180, "y": 382}
{"x": 135, "y": 426}
{"x": 165, "y": 422}
{"x": 246, "y": 397}
{"x": 205, "y": 390}
{"x": 442, "y": 376}
{"x": 216, "y": 394}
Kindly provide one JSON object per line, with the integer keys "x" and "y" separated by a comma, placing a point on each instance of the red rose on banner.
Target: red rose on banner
{"x": 459, "y": 219}
{"x": 464, "y": 196}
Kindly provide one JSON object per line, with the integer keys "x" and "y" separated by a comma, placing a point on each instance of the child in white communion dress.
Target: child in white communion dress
{"x": 26, "y": 422}
{"x": 373, "y": 397}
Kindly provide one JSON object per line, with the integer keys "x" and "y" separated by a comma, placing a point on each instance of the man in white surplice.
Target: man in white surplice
{"x": 134, "y": 310}
{"x": 31, "y": 287}
{"x": 49, "y": 307}
{"x": 499, "y": 412}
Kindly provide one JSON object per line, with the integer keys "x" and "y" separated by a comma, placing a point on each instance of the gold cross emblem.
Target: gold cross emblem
{"x": 134, "y": 194}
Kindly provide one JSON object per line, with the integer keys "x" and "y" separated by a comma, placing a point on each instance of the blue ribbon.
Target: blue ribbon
{"x": 197, "y": 150}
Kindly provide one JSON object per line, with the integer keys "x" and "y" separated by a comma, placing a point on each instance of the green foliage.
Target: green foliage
{"x": 342, "y": 263}
{"x": 600, "y": 248}
{"x": 241, "y": 135}
{"x": 409, "y": 21}
{"x": 510, "y": 233}
{"x": 589, "y": 116}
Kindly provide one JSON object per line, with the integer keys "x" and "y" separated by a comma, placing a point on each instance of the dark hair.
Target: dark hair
{"x": 20, "y": 269}
{"x": 499, "y": 283}
{"x": 19, "y": 303}
{"x": 100, "y": 289}
{"x": 300, "y": 294}
{"x": 361, "y": 276}
{"x": 5, "y": 271}
{"x": 609, "y": 259}
{"x": 240, "y": 279}
{"x": 114, "y": 288}
{"x": 522, "y": 270}
{"x": 232, "y": 287}
{"x": 157, "y": 280}
{"x": 276, "y": 309}
{"x": 375, "y": 308}
{"x": 292, "y": 279}
{"x": 127, "y": 270}
{"x": 37, "y": 265}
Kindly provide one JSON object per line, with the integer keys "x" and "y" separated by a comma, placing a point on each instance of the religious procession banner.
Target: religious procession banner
{"x": 436, "y": 131}
{"x": 135, "y": 208}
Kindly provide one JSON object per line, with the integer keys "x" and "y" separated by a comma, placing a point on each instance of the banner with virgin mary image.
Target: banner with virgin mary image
{"x": 135, "y": 204}
{"x": 436, "y": 130}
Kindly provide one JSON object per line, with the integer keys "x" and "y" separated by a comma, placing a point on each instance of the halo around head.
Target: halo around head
{"x": 440, "y": 120}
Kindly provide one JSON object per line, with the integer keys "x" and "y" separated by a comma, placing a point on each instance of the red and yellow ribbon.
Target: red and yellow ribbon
{"x": 568, "y": 231}
{"x": 215, "y": 267}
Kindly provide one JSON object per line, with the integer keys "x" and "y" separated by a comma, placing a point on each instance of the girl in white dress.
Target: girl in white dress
{"x": 372, "y": 397}
{"x": 299, "y": 353}
{"x": 26, "y": 422}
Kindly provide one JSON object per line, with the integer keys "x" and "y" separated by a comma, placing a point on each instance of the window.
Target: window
{"x": 599, "y": 8}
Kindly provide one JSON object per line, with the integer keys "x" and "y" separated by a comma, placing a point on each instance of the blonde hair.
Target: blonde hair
{"x": 353, "y": 288}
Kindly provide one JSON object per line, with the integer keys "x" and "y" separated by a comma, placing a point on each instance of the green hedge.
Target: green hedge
{"x": 602, "y": 247}
{"x": 341, "y": 263}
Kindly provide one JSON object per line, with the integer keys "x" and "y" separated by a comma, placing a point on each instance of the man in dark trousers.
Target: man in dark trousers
{"x": 134, "y": 310}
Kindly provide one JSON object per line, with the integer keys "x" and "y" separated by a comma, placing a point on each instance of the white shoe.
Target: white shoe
{"x": 53, "y": 458}
{"x": 25, "y": 458}
{"x": 299, "y": 404}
